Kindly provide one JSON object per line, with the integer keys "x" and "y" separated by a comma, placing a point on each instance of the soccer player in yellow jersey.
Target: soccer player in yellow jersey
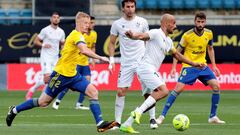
{"x": 83, "y": 66}
{"x": 196, "y": 43}
{"x": 65, "y": 75}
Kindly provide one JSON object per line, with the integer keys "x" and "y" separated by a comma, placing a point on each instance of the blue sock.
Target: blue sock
{"x": 62, "y": 94}
{"x": 215, "y": 101}
{"x": 29, "y": 104}
{"x": 169, "y": 102}
{"x": 81, "y": 98}
{"x": 96, "y": 110}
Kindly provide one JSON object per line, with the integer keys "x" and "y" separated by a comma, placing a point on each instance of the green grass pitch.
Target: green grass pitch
{"x": 68, "y": 121}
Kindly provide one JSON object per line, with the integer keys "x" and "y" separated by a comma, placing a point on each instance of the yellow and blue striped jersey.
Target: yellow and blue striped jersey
{"x": 90, "y": 39}
{"x": 195, "y": 46}
{"x": 70, "y": 54}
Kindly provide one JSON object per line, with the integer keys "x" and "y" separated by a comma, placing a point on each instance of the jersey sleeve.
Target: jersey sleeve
{"x": 42, "y": 34}
{"x": 152, "y": 34}
{"x": 183, "y": 41}
{"x": 145, "y": 26}
{"x": 63, "y": 36}
{"x": 79, "y": 39}
{"x": 210, "y": 42}
{"x": 114, "y": 30}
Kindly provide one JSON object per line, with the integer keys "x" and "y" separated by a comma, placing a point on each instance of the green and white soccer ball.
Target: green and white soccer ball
{"x": 181, "y": 122}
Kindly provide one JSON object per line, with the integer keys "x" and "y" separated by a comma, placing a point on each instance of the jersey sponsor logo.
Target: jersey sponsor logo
{"x": 198, "y": 52}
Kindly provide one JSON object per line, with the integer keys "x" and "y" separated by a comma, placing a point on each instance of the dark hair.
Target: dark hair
{"x": 124, "y": 1}
{"x": 92, "y": 17}
{"x": 200, "y": 15}
{"x": 55, "y": 13}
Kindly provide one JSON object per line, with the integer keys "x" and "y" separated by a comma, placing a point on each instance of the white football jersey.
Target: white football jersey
{"x": 131, "y": 50}
{"x": 51, "y": 36}
{"x": 157, "y": 48}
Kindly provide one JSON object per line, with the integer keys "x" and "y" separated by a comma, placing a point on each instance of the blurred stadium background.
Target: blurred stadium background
{"x": 21, "y": 20}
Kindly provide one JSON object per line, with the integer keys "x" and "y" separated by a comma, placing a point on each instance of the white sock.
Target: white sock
{"x": 14, "y": 110}
{"x": 119, "y": 106}
{"x": 37, "y": 85}
{"x": 128, "y": 122}
{"x": 57, "y": 100}
{"x": 152, "y": 113}
{"x": 78, "y": 104}
{"x": 146, "y": 104}
{"x": 99, "y": 123}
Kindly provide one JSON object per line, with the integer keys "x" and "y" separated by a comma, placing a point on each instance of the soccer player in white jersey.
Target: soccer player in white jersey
{"x": 131, "y": 51}
{"x": 157, "y": 46}
{"x": 51, "y": 38}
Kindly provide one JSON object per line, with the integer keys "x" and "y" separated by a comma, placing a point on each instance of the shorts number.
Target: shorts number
{"x": 54, "y": 82}
{"x": 184, "y": 72}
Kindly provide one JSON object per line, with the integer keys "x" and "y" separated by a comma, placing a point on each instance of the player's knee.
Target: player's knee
{"x": 165, "y": 92}
{"x": 43, "y": 103}
{"x": 216, "y": 87}
{"x": 93, "y": 94}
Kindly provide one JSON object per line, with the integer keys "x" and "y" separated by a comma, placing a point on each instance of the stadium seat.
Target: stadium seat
{"x": 177, "y": 4}
{"x": 237, "y": 2}
{"x": 14, "y": 13}
{"x": 26, "y": 13}
{"x": 3, "y": 14}
{"x": 229, "y": 4}
{"x": 140, "y": 4}
{"x": 216, "y": 4}
{"x": 190, "y": 4}
{"x": 203, "y": 4}
{"x": 164, "y": 4}
{"x": 151, "y": 4}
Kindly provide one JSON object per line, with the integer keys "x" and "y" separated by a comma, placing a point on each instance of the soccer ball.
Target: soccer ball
{"x": 181, "y": 122}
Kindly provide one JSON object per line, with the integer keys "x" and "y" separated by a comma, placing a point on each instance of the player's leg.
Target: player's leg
{"x": 152, "y": 83}
{"x": 187, "y": 76}
{"x": 34, "y": 88}
{"x": 60, "y": 96}
{"x": 208, "y": 78}
{"x": 84, "y": 71}
{"x": 152, "y": 114}
{"x": 82, "y": 85}
{"x": 125, "y": 78}
{"x": 44, "y": 100}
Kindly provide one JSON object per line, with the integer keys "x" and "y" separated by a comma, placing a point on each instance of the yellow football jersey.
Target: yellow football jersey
{"x": 90, "y": 39}
{"x": 195, "y": 46}
{"x": 70, "y": 54}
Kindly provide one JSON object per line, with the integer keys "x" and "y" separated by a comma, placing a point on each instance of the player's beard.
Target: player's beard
{"x": 199, "y": 29}
{"x": 55, "y": 24}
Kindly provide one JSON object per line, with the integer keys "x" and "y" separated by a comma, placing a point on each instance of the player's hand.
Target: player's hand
{"x": 129, "y": 34}
{"x": 199, "y": 65}
{"x": 46, "y": 46}
{"x": 217, "y": 71}
{"x": 104, "y": 59}
{"x": 111, "y": 67}
{"x": 172, "y": 73}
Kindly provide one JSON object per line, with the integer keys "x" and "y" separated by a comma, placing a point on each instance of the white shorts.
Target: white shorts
{"x": 47, "y": 65}
{"x": 149, "y": 79}
{"x": 126, "y": 75}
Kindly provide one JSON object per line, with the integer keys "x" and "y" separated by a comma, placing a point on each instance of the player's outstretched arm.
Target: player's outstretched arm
{"x": 174, "y": 64}
{"x": 182, "y": 58}
{"x": 111, "y": 50}
{"x": 211, "y": 55}
{"x": 137, "y": 36}
{"x": 86, "y": 51}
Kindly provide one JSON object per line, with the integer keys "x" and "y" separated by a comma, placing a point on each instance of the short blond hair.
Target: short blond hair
{"x": 80, "y": 15}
